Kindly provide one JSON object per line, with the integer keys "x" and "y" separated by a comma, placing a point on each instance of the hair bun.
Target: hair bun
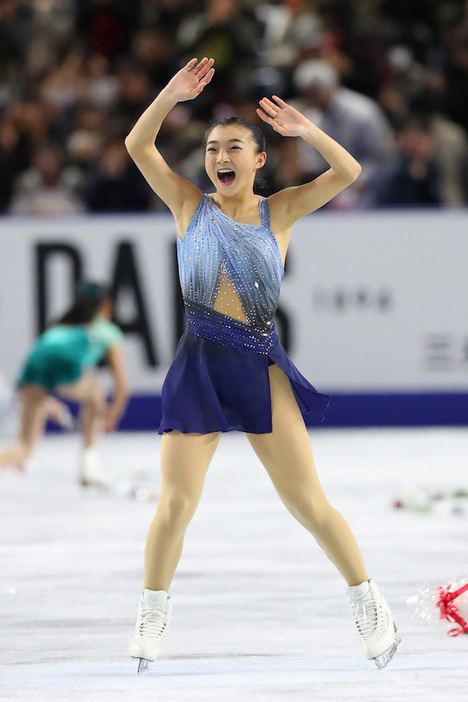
{"x": 93, "y": 291}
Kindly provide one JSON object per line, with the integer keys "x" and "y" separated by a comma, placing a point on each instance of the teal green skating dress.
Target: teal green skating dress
{"x": 63, "y": 353}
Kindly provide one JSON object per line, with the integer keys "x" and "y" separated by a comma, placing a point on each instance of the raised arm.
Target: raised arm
{"x": 181, "y": 196}
{"x": 290, "y": 204}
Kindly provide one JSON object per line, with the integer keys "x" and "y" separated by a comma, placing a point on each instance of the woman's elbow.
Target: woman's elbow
{"x": 348, "y": 173}
{"x": 354, "y": 172}
{"x": 133, "y": 144}
{"x": 129, "y": 143}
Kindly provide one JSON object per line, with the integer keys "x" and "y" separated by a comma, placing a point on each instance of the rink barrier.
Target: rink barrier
{"x": 345, "y": 410}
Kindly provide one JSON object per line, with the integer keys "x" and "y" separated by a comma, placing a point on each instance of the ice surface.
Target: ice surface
{"x": 260, "y": 614}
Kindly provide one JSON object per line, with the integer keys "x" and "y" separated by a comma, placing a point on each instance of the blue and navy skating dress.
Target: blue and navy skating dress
{"x": 230, "y": 275}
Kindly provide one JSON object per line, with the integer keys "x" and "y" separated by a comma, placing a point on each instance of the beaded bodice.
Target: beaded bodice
{"x": 231, "y": 268}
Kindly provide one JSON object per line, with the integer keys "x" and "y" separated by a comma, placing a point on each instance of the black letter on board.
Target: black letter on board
{"x": 44, "y": 252}
{"x": 125, "y": 278}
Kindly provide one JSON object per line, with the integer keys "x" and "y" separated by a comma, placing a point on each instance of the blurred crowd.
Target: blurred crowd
{"x": 387, "y": 78}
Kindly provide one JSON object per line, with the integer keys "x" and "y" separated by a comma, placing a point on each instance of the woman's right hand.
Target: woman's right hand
{"x": 189, "y": 82}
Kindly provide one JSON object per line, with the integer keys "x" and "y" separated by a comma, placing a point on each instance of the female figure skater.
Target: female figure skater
{"x": 230, "y": 372}
{"x": 60, "y": 362}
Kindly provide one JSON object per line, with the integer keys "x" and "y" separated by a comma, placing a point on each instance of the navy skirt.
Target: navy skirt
{"x": 214, "y": 386}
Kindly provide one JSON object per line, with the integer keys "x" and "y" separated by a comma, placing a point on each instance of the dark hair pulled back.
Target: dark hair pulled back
{"x": 89, "y": 296}
{"x": 255, "y": 131}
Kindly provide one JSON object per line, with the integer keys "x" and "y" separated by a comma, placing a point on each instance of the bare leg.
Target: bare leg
{"x": 33, "y": 401}
{"x": 87, "y": 391}
{"x": 57, "y": 411}
{"x": 184, "y": 462}
{"x": 287, "y": 456}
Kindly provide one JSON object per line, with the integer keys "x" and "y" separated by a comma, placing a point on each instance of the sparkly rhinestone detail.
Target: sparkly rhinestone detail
{"x": 230, "y": 274}
{"x": 214, "y": 326}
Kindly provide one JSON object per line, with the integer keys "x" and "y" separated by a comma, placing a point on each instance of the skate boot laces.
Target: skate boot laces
{"x": 154, "y": 623}
{"x": 151, "y": 628}
{"x": 370, "y": 618}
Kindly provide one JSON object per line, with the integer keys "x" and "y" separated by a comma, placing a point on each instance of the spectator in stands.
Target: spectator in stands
{"x": 15, "y": 34}
{"x": 34, "y": 119}
{"x": 87, "y": 135}
{"x": 133, "y": 95}
{"x": 166, "y": 15}
{"x": 227, "y": 31}
{"x": 48, "y": 189}
{"x": 59, "y": 58}
{"x": 62, "y": 85}
{"x": 291, "y": 35}
{"x": 451, "y": 154}
{"x": 154, "y": 51}
{"x": 107, "y": 26}
{"x": 355, "y": 44}
{"x": 80, "y": 77}
{"x": 52, "y": 29}
{"x": 288, "y": 171}
{"x": 412, "y": 178}
{"x": 14, "y": 158}
{"x": 115, "y": 186}
{"x": 352, "y": 119}
{"x": 416, "y": 87}
{"x": 454, "y": 66}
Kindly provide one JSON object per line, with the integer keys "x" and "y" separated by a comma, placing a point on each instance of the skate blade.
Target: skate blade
{"x": 143, "y": 666}
{"x": 385, "y": 658}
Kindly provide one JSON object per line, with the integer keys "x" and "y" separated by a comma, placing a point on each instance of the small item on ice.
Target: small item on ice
{"x": 449, "y": 601}
{"x": 440, "y": 502}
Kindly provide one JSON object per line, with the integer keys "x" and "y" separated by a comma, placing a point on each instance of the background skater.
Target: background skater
{"x": 60, "y": 362}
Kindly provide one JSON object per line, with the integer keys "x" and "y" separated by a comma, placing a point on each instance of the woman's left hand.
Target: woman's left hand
{"x": 284, "y": 119}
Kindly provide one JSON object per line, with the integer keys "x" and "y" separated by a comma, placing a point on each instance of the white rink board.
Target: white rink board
{"x": 375, "y": 301}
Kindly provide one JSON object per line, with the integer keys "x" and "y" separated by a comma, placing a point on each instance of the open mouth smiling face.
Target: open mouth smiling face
{"x": 232, "y": 158}
{"x": 229, "y": 157}
{"x": 226, "y": 176}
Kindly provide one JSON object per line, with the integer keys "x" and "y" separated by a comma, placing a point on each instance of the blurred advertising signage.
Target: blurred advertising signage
{"x": 371, "y": 302}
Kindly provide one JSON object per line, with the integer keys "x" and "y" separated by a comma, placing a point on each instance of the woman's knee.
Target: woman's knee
{"x": 97, "y": 393}
{"x": 311, "y": 511}
{"x": 94, "y": 396}
{"x": 177, "y": 509}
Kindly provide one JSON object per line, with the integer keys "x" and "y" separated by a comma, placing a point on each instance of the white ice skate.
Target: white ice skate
{"x": 91, "y": 472}
{"x": 152, "y": 627}
{"x": 374, "y": 622}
